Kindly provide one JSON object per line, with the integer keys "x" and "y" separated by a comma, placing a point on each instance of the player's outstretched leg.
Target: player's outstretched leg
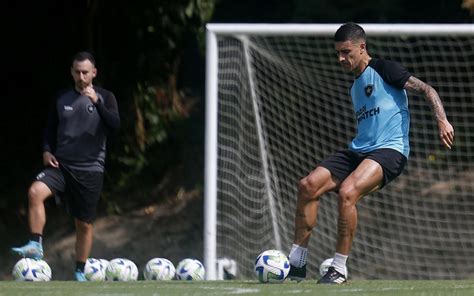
{"x": 37, "y": 194}
{"x": 333, "y": 277}
{"x": 32, "y": 250}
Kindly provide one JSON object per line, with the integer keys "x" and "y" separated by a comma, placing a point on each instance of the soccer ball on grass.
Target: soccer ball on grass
{"x": 272, "y": 266}
{"x": 95, "y": 269}
{"x": 122, "y": 270}
{"x": 31, "y": 270}
{"x": 190, "y": 270}
{"x": 159, "y": 269}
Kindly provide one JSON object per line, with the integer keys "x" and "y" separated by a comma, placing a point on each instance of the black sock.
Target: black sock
{"x": 80, "y": 266}
{"x": 37, "y": 238}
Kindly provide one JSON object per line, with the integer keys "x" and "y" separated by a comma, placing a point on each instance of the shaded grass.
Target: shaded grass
{"x": 204, "y": 288}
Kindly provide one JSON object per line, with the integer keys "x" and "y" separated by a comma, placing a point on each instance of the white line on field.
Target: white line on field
{"x": 231, "y": 290}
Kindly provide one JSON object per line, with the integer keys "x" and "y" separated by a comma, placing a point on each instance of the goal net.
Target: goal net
{"x": 278, "y": 103}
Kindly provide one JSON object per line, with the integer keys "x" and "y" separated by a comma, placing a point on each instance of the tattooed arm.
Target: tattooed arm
{"x": 446, "y": 131}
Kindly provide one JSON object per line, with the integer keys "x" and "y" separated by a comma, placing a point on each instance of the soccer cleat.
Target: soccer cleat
{"x": 32, "y": 250}
{"x": 333, "y": 277}
{"x": 80, "y": 277}
{"x": 297, "y": 273}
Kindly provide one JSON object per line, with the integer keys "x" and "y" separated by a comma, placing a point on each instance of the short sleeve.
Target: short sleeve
{"x": 391, "y": 72}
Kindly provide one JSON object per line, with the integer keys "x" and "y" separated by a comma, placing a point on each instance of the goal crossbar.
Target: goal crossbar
{"x": 329, "y": 29}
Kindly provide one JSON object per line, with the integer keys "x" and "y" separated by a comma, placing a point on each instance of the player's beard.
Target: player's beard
{"x": 81, "y": 85}
{"x": 346, "y": 66}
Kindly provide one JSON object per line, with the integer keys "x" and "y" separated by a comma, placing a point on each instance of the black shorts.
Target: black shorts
{"x": 80, "y": 190}
{"x": 344, "y": 162}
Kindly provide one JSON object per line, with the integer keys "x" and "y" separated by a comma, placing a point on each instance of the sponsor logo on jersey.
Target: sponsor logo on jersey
{"x": 40, "y": 176}
{"x": 68, "y": 108}
{"x": 363, "y": 113}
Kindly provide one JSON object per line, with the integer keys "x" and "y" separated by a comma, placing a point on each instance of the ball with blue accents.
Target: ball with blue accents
{"x": 272, "y": 266}
{"x": 159, "y": 269}
{"x": 31, "y": 270}
{"x": 121, "y": 270}
{"x": 95, "y": 269}
{"x": 190, "y": 270}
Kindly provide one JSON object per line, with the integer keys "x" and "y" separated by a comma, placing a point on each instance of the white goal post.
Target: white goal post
{"x": 277, "y": 102}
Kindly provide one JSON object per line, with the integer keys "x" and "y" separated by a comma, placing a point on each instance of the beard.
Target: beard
{"x": 82, "y": 85}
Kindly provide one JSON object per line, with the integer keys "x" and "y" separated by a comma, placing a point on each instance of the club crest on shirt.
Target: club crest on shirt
{"x": 90, "y": 108}
{"x": 368, "y": 89}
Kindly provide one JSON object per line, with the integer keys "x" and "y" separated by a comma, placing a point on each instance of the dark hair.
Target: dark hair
{"x": 349, "y": 31}
{"x": 82, "y": 56}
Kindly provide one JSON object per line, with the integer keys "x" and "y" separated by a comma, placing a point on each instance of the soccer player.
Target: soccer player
{"x": 74, "y": 146}
{"x": 375, "y": 156}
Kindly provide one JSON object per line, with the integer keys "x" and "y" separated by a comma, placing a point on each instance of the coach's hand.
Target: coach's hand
{"x": 446, "y": 133}
{"x": 50, "y": 160}
{"x": 90, "y": 92}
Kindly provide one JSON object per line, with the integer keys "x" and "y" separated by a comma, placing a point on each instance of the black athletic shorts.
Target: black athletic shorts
{"x": 79, "y": 190}
{"x": 344, "y": 162}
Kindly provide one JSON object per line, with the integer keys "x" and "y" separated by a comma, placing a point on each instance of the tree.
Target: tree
{"x": 142, "y": 46}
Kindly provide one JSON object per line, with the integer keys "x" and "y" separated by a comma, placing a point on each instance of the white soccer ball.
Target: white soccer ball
{"x": 159, "y": 269}
{"x": 122, "y": 270}
{"x": 190, "y": 270}
{"x": 45, "y": 270}
{"x": 272, "y": 266}
{"x": 323, "y": 268}
{"x": 27, "y": 269}
{"x": 104, "y": 262}
{"x": 95, "y": 269}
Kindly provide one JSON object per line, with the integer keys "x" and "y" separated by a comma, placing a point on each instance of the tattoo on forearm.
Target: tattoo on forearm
{"x": 416, "y": 85}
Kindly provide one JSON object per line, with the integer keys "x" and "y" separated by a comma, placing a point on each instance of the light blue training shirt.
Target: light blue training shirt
{"x": 381, "y": 107}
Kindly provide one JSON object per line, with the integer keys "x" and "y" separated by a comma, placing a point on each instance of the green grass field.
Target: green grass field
{"x": 204, "y": 288}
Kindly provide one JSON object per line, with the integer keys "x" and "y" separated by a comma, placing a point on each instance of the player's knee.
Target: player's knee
{"x": 83, "y": 227}
{"x": 306, "y": 188}
{"x": 347, "y": 196}
{"x": 35, "y": 194}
